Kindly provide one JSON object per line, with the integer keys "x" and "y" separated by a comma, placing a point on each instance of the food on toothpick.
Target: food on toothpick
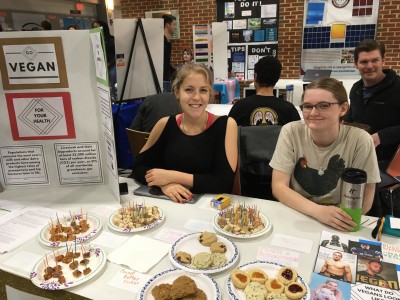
{"x": 241, "y": 219}
{"x": 136, "y": 216}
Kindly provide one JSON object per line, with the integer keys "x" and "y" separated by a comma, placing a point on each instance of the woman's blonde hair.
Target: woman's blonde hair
{"x": 193, "y": 68}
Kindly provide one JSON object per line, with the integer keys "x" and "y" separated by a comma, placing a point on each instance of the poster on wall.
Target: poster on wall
{"x": 237, "y": 60}
{"x": 331, "y": 31}
{"x": 249, "y": 22}
{"x": 32, "y": 63}
{"x": 255, "y": 52}
{"x": 202, "y": 42}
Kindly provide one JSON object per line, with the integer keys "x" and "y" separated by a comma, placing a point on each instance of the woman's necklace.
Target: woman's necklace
{"x": 201, "y": 129}
{"x": 321, "y": 171}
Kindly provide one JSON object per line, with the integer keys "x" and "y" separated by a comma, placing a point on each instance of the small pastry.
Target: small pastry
{"x": 255, "y": 291}
{"x": 257, "y": 275}
{"x": 207, "y": 238}
{"x": 183, "y": 257}
{"x": 273, "y": 285}
{"x": 240, "y": 279}
{"x": 202, "y": 260}
{"x": 218, "y": 247}
{"x": 295, "y": 290}
{"x": 287, "y": 275}
{"x": 218, "y": 259}
{"x": 276, "y": 296}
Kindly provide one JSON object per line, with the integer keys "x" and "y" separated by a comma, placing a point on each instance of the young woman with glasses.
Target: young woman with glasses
{"x": 311, "y": 155}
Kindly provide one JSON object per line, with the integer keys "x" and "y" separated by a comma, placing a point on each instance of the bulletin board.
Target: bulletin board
{"x": 252, "y": 26}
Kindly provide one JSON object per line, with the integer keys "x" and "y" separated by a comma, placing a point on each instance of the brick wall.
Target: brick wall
{"x": 290, "y": 27}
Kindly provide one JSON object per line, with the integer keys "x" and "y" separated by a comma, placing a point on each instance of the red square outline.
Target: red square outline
{"x": 67, "y": 110}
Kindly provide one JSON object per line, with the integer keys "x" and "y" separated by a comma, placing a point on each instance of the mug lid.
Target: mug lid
{"x": 354, "y": 175}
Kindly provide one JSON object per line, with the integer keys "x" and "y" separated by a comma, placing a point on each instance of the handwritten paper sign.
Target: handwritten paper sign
{"x": 280, "y": 256}
{"x": 129, "y": 280}
{"x": 391, "y": 253}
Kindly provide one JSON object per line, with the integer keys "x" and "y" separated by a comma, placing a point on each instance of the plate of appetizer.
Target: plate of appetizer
{"x": 179, "y": 284}
{"x": 242, "y": 221}
{"x": 67, "y": 268}
{"x": 266, "y": 279}
{"x": 136, "y": 218}
{"x": 75, "y": 228}
{"x": 203, "y": 252}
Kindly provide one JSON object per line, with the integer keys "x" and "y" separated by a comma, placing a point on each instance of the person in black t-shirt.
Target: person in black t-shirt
{"x": 264, "y": 108}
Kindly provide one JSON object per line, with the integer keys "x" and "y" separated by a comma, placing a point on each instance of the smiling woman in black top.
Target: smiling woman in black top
{"x": 195, "y": 151}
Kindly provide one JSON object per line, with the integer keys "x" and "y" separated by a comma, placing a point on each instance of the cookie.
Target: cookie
{"x": 183, "y": 286}
{"x": 199, "y": 295}
{"x": 183, "y": 257}
{"x": 218, "y": 247}
{"x": 255, "y": 291}
{"x": 162, "y": 291}
{"x": 207, "y": 238}
{"x": 295, "y": 290}
{"x": 274, "y": 285}
{"x": 202, "y": 260}
{"x": 276, "y": 296}
{"x": 287, "y": 275}
{"x": 240, "y": 279}
{"x": 257, "y": 275}
{"x": 218, "y": 259}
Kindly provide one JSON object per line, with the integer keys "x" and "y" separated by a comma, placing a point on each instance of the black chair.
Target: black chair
{"x": 256, "y": 147}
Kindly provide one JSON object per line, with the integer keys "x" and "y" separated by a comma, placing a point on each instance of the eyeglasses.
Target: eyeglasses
{"x": 319, "y": 106}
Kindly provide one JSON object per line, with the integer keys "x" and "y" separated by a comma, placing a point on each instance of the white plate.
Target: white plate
{"x": 97, "y": 261}
{"x": 112, "y": 226}
{"x": 267, "y": 228}
{"x": 203, "y": 282}
{"x": 268, "y": 267}
{"x": 190, "y": 244}
{"x": 94, "y": 229}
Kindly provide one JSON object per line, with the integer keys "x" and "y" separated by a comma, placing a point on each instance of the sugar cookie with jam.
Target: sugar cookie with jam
{"x": 257, "y": 275}
{"x": 287, "y": 275}
{"x": 240, "y": 279}
{"x": 295, "y": 290}
{"x": 273, "y": 285}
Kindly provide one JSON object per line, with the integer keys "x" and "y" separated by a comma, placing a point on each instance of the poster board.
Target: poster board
{"x": 140, "y": 81}
{"x": 331, "y": 31}
{"x": 53, "y": 137}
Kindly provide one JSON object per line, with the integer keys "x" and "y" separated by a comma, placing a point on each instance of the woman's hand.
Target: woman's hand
{"x": 335, "y": 217}
{"x": 158, "y": 177}
{"x": 177, "y": 192}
